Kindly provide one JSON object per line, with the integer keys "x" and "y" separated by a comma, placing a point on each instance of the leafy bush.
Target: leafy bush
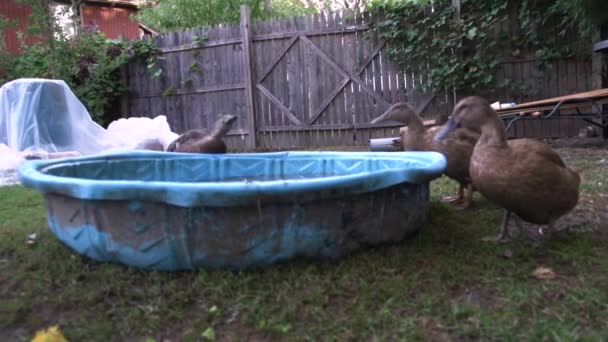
{"x": 89, "y": 63}
{"x": 172, "y": 15}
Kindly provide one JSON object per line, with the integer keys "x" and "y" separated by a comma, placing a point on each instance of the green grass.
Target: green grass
{"x": 443, "y": 283}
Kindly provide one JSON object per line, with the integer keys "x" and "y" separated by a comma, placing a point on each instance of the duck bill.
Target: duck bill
{"x": 448, "y": 128}
{"x": 382, "y": 118}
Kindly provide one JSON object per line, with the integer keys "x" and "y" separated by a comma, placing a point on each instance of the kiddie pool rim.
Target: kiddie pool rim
{"x": 192, "y": 194}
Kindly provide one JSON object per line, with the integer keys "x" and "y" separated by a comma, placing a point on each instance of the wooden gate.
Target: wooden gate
{"x": 320, "y": 80}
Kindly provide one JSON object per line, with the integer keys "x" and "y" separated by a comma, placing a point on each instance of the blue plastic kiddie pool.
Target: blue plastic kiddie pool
{"x": 174, "y": 211}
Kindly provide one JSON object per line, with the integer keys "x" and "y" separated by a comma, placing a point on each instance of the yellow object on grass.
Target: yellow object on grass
{"x": 52, "y": 334}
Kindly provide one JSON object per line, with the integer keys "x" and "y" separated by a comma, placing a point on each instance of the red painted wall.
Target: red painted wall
{"x": 18, "y": 14}
{"x": 112, "y": 21}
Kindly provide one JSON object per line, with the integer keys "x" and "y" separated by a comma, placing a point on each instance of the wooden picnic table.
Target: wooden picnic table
{"x": 546, "y": 108}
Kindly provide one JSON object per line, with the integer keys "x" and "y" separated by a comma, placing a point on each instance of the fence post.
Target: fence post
{"x": 248, "y": 68}
{"x": 596, "y": 60}
{"x": 124, "y": 97}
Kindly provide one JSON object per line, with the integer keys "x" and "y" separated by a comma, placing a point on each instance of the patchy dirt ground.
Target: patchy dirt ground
{"x": 590, "y": 158}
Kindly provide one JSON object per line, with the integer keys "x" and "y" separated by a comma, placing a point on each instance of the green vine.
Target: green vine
{"x": 4, "y": 24}
{"x": 90, "y": 65}
{"x": 198, "y": 42}
{"x": 146, "y": 50}
{"x": 465, "y": 53}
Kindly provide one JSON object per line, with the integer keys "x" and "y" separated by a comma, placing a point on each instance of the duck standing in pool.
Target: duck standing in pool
{"x": 198, "y": 141}
{"x": 524, "y": 176}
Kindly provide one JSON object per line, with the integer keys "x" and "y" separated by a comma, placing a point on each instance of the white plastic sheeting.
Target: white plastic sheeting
{"x": 9, "y": 160}
{"x": 134, "y": 133}
{"x": 40, "y": 116}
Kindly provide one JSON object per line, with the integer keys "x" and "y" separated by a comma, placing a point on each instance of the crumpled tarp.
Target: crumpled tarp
{"x": 41, "y": 117}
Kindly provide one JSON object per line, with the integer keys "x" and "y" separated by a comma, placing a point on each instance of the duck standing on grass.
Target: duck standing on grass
{"x": 197, "y": 141}
{"x": 524, "y": 176}
{"x": 457, "y": 148}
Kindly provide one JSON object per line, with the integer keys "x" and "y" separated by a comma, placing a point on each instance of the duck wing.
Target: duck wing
{"x": 541, "y": 149}
{"x": 215, "y": 145}
{"x": 191, "y": 135}
{"x": 205, "y": 145}
{"x": 465, "y": 135}
{"x": 525, "y": 177}
{"x": 458, "y": 148}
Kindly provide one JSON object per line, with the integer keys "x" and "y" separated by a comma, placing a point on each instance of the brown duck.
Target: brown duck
{"x": 198, "y": 141}
{"x": 524, "y": 176}
{"x": 457, "y": 148}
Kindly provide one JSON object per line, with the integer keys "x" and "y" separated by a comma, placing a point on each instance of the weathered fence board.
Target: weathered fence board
{"x": 316, "y": 81}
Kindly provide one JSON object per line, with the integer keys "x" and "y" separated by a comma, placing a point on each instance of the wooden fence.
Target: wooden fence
{"x": 309, "y": 82}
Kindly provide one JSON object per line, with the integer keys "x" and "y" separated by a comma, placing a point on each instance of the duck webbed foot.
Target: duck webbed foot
{"x": 461, "y": 205}
{"x": 504, "y": 234}
{"x": 455, "y": 198}
{"x": 451, "y": 199}
{"x": 460, "y": 201}
{"x": 467, "y": 199}
{"x": 539, "y": 234}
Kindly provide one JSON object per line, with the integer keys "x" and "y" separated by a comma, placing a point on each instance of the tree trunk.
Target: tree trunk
{"x": 48, "y": 24}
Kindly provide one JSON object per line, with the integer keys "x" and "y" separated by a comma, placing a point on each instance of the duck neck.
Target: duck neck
{"x": 415, "y": 125}
{"x": 219, "y": 130}
{"x": 493, "y": 133}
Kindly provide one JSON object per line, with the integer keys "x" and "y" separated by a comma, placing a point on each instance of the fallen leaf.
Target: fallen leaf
{"x": 545, "y": 273}
{"x": 474, "y": 321}
{"x": 390, "y": 271}
{"x": 424, "y": 321}
{"x": 209, "y": 334}
{"x": 52, "y": 334}
{"x": 31, "y": 239}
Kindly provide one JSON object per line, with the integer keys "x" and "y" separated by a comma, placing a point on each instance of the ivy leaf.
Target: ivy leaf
{"x": 194, "y": 67}
{"x": 199, "y": 41}
{"x": 390, "y": 22}
{"x": 168, "y": 91}
{"x": 187, "y": 83}
{"x": 471, "y": 33}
